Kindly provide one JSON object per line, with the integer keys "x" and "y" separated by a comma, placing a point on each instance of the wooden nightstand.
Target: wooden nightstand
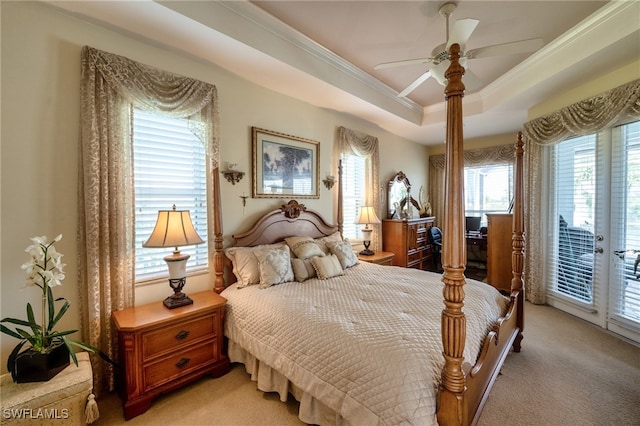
{"x": 162, "y": 349}
{"x": 379, "y": 257}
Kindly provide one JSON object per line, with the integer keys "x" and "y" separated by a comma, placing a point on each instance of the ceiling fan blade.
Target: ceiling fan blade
{"x": 511, "y": 48}
{"x": 402, "y": 63}
{"x": 417, "y": 82}
{"x": 461, "y": 32}
{"x": 471, "y": 81}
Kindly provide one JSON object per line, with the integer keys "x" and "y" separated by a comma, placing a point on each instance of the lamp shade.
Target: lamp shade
{"x": 173, "y": 229}
{"x": 367, "y": 215}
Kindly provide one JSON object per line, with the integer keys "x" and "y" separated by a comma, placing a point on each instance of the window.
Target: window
{"x": 169, "y": 168}
{"x": 488, "y": 189}
{"x": 353, "y": 193}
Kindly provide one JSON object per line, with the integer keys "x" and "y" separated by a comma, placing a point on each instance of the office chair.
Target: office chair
{"x": 435, "y": 238}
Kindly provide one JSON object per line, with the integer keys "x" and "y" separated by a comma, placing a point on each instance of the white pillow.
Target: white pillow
{"x": 274, "y": 265}
{"x": 344, "y": 252}
{"x": 327, "y": 266}
{"x": 303, "y": 269}
{"x": 245, "y": 264}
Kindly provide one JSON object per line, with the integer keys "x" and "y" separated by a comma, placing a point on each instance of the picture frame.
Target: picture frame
{"x": 284, "y": 165}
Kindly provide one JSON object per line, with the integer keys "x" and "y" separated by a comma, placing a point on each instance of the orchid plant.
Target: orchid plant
{"x": 44, "y": 270}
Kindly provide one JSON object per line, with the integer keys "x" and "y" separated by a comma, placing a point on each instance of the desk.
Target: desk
{"x": 476, "y": 248}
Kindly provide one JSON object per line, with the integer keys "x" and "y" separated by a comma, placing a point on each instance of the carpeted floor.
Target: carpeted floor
{"x": 568, "y": 373}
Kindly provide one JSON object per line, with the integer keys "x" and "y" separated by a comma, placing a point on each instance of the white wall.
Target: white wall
{"x": 39, "y": 152}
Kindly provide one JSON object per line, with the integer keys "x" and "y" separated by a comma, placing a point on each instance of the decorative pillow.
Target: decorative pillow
{"x": 303, "y": 247}
{"x": 327, "y": 266}
{"x": 303, "y": 269}
{"x": 245, "y": 264}
{"x": 274, "y": 266}
{"x": 344, "y": 252}
{"x": 322, "y": 242}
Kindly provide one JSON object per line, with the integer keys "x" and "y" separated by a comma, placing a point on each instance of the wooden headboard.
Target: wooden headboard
{"x": 292, "y": 219}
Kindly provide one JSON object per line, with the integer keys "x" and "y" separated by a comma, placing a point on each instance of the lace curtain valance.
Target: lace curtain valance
{"x": 589, "y": 116}
{"x": 152, "y": 89}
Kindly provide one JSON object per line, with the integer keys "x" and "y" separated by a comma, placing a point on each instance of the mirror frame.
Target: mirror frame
{"x": 400, "y": 179}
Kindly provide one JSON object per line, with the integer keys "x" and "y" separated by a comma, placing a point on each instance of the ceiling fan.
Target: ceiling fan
{"x": 461, "y": 32}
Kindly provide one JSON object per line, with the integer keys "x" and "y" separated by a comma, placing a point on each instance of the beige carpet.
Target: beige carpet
{"x": 568, "y": 373}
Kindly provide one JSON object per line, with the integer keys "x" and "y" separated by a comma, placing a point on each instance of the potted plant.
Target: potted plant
{"x": 49, "y": 349}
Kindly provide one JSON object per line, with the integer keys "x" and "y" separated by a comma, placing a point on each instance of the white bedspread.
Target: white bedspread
{"x": 366, "y": 344}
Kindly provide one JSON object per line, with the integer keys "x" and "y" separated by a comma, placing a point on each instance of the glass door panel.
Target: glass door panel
{"x": 624, "y": 291}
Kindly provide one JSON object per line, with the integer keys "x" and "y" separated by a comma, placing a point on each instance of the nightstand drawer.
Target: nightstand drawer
{"x": 178, "y": 364}
{"x": 170, "y": 338}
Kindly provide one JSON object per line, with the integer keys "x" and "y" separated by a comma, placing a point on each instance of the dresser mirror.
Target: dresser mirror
{"x": 400, "y": 203}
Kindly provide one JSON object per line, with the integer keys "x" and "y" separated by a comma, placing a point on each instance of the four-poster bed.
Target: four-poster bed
{"x": 374, "y": 382}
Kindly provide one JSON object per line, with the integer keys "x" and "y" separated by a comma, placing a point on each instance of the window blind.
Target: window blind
{"x": 169, "y": 168}
{"x": 570, "y": 258}
{"x": 624, "y": 295}
{"x": 353, "y": 193}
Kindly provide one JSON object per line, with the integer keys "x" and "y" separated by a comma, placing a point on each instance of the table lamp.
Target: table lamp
{"x": 173, "y": 229}
{"x": 367, "y": 216}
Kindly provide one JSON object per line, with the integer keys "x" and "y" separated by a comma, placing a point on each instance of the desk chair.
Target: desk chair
{"x": 435, "y": 238}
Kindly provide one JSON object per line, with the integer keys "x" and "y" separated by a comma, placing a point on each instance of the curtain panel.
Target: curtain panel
{"x": 586, "y": 117}
{"x": 110, "y": 87}
{"x": 472, "y": 158}
{"x": 351, "y": 142}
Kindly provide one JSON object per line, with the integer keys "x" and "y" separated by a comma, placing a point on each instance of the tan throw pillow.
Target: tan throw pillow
{"x": 274, "y": 266}
{"x": 327, "y": 266}
{"x": 344, "y": 252}
{"x": 303, "y": 247}
{"x": 302, "y": 269}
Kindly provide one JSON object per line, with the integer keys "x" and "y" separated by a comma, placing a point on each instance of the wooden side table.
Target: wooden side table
{"x": 162, "y": 349}
{"x": 379, "y": 257}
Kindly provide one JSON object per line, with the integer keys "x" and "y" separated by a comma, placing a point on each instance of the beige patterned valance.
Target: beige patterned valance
{"x": 588, "y": 116}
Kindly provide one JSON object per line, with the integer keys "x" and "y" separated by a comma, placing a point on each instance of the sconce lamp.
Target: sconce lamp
{"x": 367, "y": 216}
{"x": 232, "y": 174}
{"x": 173, "y": 229}
{"x": 329, "y": 181}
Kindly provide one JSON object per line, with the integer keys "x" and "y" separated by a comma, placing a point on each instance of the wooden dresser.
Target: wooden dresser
{"x": 161, "y": 349}
{"x": 409, "y": 241}
{"x": 499, "y": 248}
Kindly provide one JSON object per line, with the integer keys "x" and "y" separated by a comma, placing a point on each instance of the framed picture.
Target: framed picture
{"x": 284, "y": 165}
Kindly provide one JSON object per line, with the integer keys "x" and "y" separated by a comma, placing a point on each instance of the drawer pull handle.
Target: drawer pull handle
{"x": 182, "y": 335}
{"x": 183, "y": 362}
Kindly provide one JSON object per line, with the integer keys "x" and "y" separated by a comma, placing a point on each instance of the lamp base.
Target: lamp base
{"x": 366, "y": 251}
{"x": 173, "y": 302}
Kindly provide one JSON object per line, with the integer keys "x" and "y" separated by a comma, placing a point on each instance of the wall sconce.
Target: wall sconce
{"x": 329, "y": 181}
{"x": 232, "y": 174}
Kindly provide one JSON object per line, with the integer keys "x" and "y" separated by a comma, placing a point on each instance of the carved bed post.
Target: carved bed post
{"x": 453, "y": 385}
{"x": 517, "y": 255}
{"x": 218, "y": 255}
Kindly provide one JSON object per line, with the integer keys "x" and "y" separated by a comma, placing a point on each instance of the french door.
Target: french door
{"x": 593, "y": 228}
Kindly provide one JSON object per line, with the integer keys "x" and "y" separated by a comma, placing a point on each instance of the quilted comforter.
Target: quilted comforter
{"x": 366, "y": 344}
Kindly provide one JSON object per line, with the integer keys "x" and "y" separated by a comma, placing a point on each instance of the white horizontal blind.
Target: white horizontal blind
{"x": 625, "y": 220}
{"x": 488, "y": 189}
{"x": 353, "y": 193}
{"x": 169, "y": 168}
{"x": 570, "y": 258}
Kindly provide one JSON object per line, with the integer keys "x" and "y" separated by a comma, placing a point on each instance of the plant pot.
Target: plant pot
{"x": 32, "y": 366}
